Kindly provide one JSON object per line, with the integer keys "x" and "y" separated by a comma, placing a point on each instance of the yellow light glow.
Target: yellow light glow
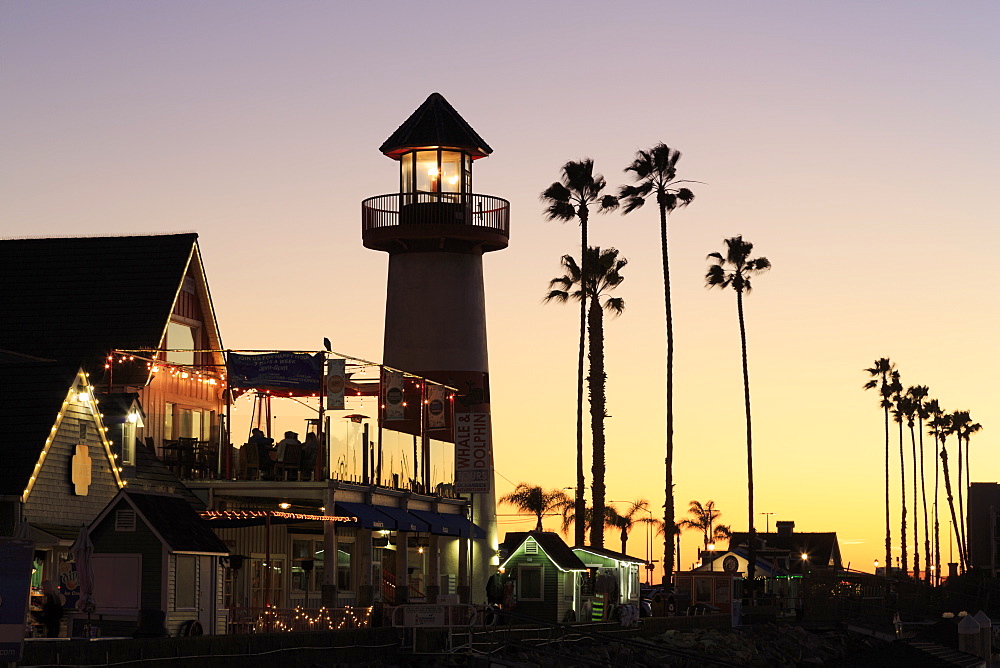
{"x": 804, "y": 556}
{"x": 83, "y": 397}
{"x": 433, "y": 171}
{"x": 284, "y": 505}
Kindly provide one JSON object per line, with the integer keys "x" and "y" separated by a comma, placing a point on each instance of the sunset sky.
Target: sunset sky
{"x": 854, "y": 143}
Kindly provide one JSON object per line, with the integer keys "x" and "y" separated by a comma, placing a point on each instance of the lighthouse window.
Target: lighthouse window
{"x": 451, "y": 171}
{"x": 428, "y": 172}
{"x": 406, "y": 173}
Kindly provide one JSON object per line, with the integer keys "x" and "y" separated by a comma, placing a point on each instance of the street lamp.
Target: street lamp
{"x": 876, "y": 567}
{"x": 805, "y": 561}
{"x": 711, "y": 550}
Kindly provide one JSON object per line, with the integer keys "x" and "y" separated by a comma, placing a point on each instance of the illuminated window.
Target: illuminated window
{"x": 183, "y": 337}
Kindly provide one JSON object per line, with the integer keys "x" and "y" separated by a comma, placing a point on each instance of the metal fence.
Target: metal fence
{"x": 485, "y": 211}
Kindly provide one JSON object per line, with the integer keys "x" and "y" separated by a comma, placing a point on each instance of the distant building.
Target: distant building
{"x": 785, "y": 547}
{"x": 983, "y": 529}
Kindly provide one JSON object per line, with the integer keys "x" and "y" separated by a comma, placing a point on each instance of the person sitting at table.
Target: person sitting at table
{"x": 309, "y": 451}
{"x": 290, "y": 437}
{"x": 265, "y": 447}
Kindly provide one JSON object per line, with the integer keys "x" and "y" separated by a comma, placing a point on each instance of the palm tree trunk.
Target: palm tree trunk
{"x": 624, "y": 539}
{"x": 916, "y": 511}
{"x": 951, "y": 500}
{"x": 752, "y": 552}
{"x": 668, "y": 490}
{"x": 965, "y": 518}
{"x": 580, "y": 527}
{"x": 598, "y": 402}
{"x": 960, "y": 527}
{"x": 888, "y": 529}
{"x": 904, "y": 557}
{"x": 923, "y": 491}
{"x": 937, "y": 514}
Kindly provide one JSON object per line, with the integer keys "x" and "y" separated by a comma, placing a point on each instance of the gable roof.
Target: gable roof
{"x": 31, "y": 394}
{"x": 822, "y": 547}
{"x": 553, "y": 546}
{"x": 172, "y": 519}
{"x": 435, "y": 123}
{"x": 76, "y": 298}
{"x": 608, "y": 554}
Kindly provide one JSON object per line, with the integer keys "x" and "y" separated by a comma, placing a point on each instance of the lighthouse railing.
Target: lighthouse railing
{"x": 429, "y": 208}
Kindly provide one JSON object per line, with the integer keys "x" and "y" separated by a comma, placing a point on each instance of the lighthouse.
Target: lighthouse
{"x": 436, "y": 230}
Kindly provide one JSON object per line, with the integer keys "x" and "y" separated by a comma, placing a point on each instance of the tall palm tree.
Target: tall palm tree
{"x": 703, "y": 518}
{"x": 967, "y": 432}
{"x": 918, "y": 395}
{"x": 655, "y": 171}
{"x": 908, "y": 408}
{"x": 881, "y": 379}
{"x": 947, "y": 430}
{"x": 960, "y": 420}
{"x": 625, "y": 522}
{"x": 602, "y": 275}
{"x": 571, "y": 197}
{"x": 734, "y": 270}
{"x": 898, "y": 415}
{"x": 533, "y": 500}
{"x": 937, "y": 423}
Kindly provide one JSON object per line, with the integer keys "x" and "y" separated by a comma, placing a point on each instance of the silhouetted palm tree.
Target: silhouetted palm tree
{"x": 964, "y": 428}
{"x": 655, "y": 171}
{"x": 935, "y": 426}
{"x": 946, "y": 431}
{"x": 918, "y": 395}
{"x": 960, "y": 420}
{"x": 533, "y": 500}
{"x": 571, "y": 197}
{"x": 703, "y": 519}
{"x": 734, "y": 270}
{"x": 908, "y": 408}
{"x": 624, "y": 523}
{"x": 898, "y": 415}
{"x": 881, "y": 375}
{"x": 602, "y": 275}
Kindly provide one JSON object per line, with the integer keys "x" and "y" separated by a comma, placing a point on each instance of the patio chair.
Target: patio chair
{"x": 251, "y": 459}
{"x": 290, "y": 464}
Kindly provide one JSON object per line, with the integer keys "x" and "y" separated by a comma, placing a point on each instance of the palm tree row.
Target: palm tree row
{"x": 914, "y": 407}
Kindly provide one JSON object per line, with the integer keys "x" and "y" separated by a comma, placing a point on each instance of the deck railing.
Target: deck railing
{"x": 485, "y": 211}
{"x": 278, "y": 620}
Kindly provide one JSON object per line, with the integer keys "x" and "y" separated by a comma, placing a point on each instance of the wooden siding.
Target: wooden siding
{"x": 52, "y": 499}
{"x": 165, "y": 388}
{"x": 549, "y": 607}
{"x": 141, "y": 541}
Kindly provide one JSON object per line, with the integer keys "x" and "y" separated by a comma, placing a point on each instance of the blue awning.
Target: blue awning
{"x": 448, "y": 525}
{"x": 405, "y": 521}
{"x": 368, "y": 516}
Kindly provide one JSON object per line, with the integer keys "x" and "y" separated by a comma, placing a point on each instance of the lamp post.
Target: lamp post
{"x": 876, "y": 567}
{"x": 805, "y": 561}
{"x": 711, "y": 551}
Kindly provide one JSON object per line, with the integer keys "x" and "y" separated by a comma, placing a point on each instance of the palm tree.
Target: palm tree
{"x": 969, "y": 430}
{"x": 908, "y": 407}
{"x": 655, "y": 171}
{"x": 960, "y": 420}
{"x": 571, "y": 197}
{"x": 533, "y": 500}
{"x": 918, "y": 394}
{"x": 898, "y": 414}
{"x": 734, "y": 270}
{"x": 881, "y": 375}
{"x": 625, "y": 522}
{"x": 936, "y": 425}
{"x": 603, "y": 274}
{"x": 947, "y": 430}
{"x": 703, "y": 519}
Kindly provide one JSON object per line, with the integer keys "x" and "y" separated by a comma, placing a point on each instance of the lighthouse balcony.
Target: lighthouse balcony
{"x": 429, "y": 221}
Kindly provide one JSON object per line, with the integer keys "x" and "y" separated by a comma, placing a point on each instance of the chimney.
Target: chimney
{"x": 785, "y": 528}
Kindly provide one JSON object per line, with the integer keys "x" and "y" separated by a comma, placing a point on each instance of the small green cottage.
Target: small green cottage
{"x": 546, "y": 573}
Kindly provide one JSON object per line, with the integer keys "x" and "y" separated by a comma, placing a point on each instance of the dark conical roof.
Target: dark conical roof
{"x": 435, "y": 123}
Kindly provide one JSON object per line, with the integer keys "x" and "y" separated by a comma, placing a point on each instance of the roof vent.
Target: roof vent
{"x": 125, "y": 520}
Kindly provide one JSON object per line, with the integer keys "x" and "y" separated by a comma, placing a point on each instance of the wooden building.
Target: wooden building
{"x": 547, "y": 575}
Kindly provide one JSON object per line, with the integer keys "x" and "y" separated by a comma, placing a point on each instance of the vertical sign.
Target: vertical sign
{"x": 392, "y": 394}
{"x": 473, "y": 454}
{"x": 335, "y": 383}
{"x": 16, "y": 557}
{"x": 437, "y": 414}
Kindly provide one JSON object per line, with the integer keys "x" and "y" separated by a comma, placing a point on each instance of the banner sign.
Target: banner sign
{"x": 473, "y": 454}
{"x": 437, "y": 406}
{"x": 335, "y": 382}
{"x": 16, "y": 562}
{"x": 276, "y": 371}
{"x": 392, "y": 394}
